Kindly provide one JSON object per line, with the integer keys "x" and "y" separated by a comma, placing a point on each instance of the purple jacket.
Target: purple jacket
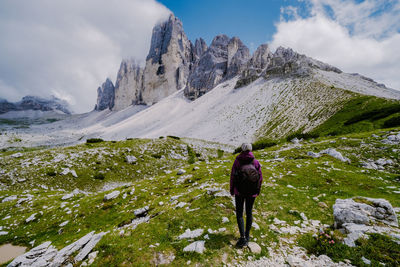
{"x": 244, "y": 156}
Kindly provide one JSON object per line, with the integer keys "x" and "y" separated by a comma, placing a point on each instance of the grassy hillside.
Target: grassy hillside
{"x": 294, "y": 183}
{"x": 364, "y": 113}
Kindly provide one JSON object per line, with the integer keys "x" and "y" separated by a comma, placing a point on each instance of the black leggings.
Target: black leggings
{"x": 239, "y": 201}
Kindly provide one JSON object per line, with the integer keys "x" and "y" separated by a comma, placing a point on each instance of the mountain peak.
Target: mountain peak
{"x": 105, "y": 95}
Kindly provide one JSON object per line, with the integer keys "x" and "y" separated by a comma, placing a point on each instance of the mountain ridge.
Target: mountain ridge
{"x": 35, "y": 103}
{"x": 174, "y": 63}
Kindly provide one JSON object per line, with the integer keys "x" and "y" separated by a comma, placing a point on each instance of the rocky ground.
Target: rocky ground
{"x": 162, "y": 201}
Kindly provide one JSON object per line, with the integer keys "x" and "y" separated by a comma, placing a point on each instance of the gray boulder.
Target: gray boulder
{"x": 365, "y": 215}
{"x": 367, "y": 211}
{"x": 47, "y": 255}
{"x": 254, "y": 248}
{"x": 197, "y": 246}
{"x": 111, "y": 195}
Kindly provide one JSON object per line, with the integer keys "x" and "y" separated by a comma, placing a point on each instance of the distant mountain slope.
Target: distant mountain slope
{"x": 35, "y": 103}
{"x": 270, "y": 108}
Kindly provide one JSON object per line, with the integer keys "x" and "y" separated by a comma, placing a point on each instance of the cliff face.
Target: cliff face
{"x": 105, "y": 96}
{"x": 168, "y": 61}
{"x": 129, "y": 85}
{"x": 224, "y": 59}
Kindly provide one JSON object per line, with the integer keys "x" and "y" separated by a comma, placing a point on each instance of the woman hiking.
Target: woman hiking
{"x": 245, "y": 185}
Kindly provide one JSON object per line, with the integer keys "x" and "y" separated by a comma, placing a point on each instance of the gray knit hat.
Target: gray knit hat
{"x": 246, "y": 147}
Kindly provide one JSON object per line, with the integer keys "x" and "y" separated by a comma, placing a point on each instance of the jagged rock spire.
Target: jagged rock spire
{"x": 168, "y": 61}
{"x": 105, "y": 96}
{"x": 129, "y": 84}
{"x": 224, "y": 59}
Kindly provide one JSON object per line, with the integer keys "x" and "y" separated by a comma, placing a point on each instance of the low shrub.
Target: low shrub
{"x": 51, "y": 172}
{"x": 94, "y": 140}
{"x": 191, "y": 154}
{"x": 174, "y": 137}
{"x": 99, "y": 176}
{"x": 392, "y": 122}
{"x": 220, "y": 153}
{"x": 264, "y": 143}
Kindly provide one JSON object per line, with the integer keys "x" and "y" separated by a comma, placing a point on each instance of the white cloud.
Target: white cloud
{"x": 356, "y": 37}
{"x": 67, "y": 48}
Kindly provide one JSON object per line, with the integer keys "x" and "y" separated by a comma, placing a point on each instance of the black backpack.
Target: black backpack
{"x": 247, "y": 179}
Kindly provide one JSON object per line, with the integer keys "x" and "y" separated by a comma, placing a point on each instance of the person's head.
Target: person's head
{"x": 246, "y": 147}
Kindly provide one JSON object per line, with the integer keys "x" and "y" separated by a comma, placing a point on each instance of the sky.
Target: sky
{"x": 67, "y": 48}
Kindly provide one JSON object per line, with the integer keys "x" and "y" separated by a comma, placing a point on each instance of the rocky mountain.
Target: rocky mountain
{"x": 241, "y": 97}
{"x": 129, "y": 84}
{"x": 174, "y": 63}
{"x": 35, "y": 103}
{"x": 105, "y": 96}
{"x": 168, "y": 61}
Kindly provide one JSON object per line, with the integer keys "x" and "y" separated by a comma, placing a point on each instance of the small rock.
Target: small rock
{"x": 313, "y": 154}
{"x": 10, "y": 198}
{"x": 225, "y": 220}
{"x": 131, "y": 159}
{"x": 197, "y": 246}
{"x": 303, "y": 216}
{"x": 163, "y": 259}
{"x": 180, "y": 172}
{"x": 141, "y": 212}
{"x": 180, "y": 205}
{"x": 365, "y": 260}
{"x": 336, "y": 154}
{"x": 191, "y": 234}
{"x": 73, "y": 172}
{"x": 323, "y": 205}
{"x": 255, "y": 225}
{"x": 31, "y": 218}
{"x": 64, "y": 224}
{"x": 111, "y": 195}
{"x": 65, "y": 171}
{"x": 254, "y": 248}
{"x": 67, "y": 196}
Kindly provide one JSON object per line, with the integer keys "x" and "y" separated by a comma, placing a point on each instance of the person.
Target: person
{"x": 245, "y": 157}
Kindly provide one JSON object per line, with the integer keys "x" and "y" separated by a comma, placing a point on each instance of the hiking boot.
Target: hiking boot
{"x": 241, "y": 242}
{"x": 247, "y": 238}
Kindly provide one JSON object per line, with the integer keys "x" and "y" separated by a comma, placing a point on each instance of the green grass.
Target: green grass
{"x": 154, "y": 179}
{"x": 377, "y": 248}
{"x": 361, "y": 114}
